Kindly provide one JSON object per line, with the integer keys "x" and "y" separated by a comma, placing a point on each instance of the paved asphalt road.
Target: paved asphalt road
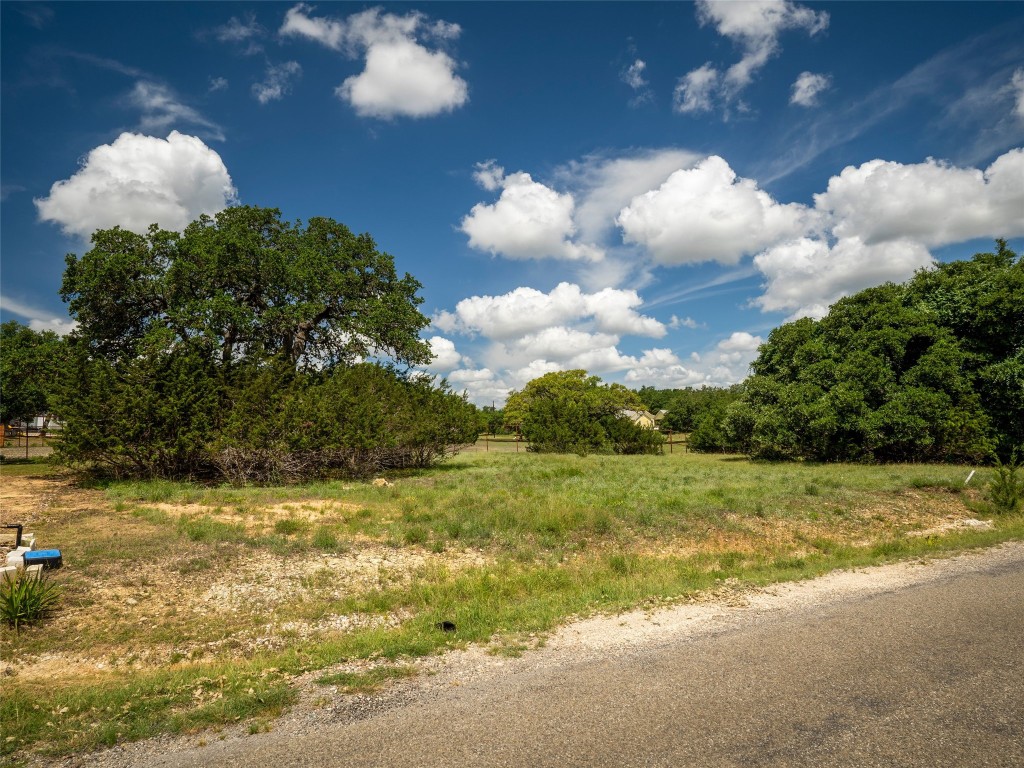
{"x": 927, "y": 675}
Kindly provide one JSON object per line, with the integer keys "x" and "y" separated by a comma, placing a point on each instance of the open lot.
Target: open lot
{"x": 188, "y": 607}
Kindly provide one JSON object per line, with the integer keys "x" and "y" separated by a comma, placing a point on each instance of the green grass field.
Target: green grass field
{"x": 189, "y": 607}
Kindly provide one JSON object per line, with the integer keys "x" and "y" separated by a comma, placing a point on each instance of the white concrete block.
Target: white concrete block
{"x": 35, "y": 571}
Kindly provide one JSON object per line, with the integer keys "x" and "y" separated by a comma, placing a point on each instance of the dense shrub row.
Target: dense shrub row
{"x": 175, "y": 416}
{"x": 930, "y": 370}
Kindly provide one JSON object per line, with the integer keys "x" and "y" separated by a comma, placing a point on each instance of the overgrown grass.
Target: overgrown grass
{"x": 555, "y": 501}
{"x": 553, "y": 537}
{"x": 14, "y": 466}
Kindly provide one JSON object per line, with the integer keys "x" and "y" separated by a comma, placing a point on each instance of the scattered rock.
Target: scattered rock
{"x": 954, "y": 524}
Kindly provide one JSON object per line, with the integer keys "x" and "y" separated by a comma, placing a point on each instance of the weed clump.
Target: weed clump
{"x": 1005, "y": 489}
{"x": 26, "y": 599}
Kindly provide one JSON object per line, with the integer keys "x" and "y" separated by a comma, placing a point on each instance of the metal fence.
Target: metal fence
{"x": 26, "y": 443}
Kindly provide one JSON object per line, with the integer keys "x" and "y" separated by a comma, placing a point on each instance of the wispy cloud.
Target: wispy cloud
{"x": 633, "y": 76}
{"x": 6, "y": 190}
{"x": 38, "y": 319}
{"x": 277, "y": 82}
{"x": 36, "y": 14}
{"x": 245, "y": 33}
{"x": 702, "y": 290}
{"x": 102, "y": 62}
{"x": 162, "y": 109}
{"x": 978, "y": 68}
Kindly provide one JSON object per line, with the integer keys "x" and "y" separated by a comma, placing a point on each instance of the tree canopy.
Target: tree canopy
{"x": 29, "y": 361}
{"x": 245, "y": 285}
{"x": 930, "y": 370}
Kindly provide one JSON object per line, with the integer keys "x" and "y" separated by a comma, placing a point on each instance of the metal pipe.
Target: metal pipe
{"x": 17, "y": 538}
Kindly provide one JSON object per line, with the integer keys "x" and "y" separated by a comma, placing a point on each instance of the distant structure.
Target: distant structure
{"x": 644, "y": 419}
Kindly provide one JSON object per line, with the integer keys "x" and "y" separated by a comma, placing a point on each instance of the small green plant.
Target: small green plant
{"x": 289, "y": 526}
{"x": 26, "y": 598}
{"x": 325, "y": 539}
{"x": 1006, "y": 489}
{"x": 416, "y": 535}
{"x": 623, "y": 565}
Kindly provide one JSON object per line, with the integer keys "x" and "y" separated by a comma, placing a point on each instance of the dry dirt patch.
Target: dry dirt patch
{"x": 257, "y": 519}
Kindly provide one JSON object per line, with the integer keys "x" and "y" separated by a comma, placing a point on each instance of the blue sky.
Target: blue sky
{"x": 643, "y": 190}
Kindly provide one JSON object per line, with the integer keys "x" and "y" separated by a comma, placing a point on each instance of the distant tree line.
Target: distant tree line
{"x": 573, "y": 412}
{"x": 241, "y": 349}
{"x": 927, "y": 370}
{"x": 697, "y": 412}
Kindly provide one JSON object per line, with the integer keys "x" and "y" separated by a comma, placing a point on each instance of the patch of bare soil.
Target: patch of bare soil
{"x": 258, "y": 519}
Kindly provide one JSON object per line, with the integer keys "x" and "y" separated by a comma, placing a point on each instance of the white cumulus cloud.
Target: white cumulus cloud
{"x": 527, "y": 333}
{"x": 528, "y": 221}
{"x": 559, "y": 343}
{"x": 707, "y": 213}
{"x": 878, "y": 221}
{"x": 805, "y": 276}
{"x": 445, "y": 355}
{"x": 755, "y": 25}
{"x": 402, "y": 77}
{"x": 724, "y": 364}
{"x": 137, "y": 181}
{"x": 931, "y": 202}
{"x": 481, "y": 385}
{"x": 527, "y": 310}
{"x": 807, "y": 87}
{"x": 662, "y": 369}
{"x": 605, "y": 185}
{"x": 740, "y": 341}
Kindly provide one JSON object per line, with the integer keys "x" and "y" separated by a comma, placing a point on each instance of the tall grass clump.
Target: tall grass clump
{"x": 26, "y": 599}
